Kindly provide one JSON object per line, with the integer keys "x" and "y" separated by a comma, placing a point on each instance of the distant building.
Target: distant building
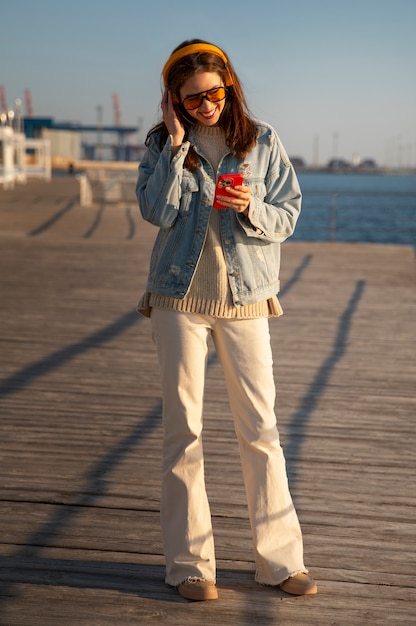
{"x": 339, "y": 165}
{"x": 22, "y": 157}
{"x": 298, "y": 163}
{"x": 368, "y": 164}
{"x": 72, "y": 141}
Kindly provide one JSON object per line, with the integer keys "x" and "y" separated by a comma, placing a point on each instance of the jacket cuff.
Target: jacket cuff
{"x": 247, "y": 224}
{"x": 181, "y": 153}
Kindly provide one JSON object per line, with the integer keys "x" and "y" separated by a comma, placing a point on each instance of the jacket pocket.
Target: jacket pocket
{"x": 258, "y": 187}
{"x": 189, "y": 192}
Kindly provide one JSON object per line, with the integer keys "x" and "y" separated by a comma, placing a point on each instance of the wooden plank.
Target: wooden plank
{"x": 80, "y": 429}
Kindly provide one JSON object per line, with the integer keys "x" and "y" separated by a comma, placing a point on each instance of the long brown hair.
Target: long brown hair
{"x": 236, "y": 121}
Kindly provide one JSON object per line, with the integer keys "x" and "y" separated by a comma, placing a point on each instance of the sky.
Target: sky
{"x": 336, "y": 78}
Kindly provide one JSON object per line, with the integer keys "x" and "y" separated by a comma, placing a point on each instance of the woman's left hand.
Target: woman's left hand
{"x": 236, "y": 198}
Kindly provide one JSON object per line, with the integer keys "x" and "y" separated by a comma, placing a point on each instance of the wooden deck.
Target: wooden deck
{"x": 80, "y": 430}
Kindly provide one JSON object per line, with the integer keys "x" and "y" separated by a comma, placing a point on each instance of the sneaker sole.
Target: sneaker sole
{"x": 197, "y": 595}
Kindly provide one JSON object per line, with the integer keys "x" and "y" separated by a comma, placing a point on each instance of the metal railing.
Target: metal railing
{"x": 358, "y": 216}
{"x": 107, "y": 186}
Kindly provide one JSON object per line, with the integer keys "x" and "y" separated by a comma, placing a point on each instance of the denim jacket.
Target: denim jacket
{"x": 179, "y": 202}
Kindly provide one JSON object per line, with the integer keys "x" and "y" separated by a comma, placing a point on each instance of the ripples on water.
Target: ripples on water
{"x": 357, "y": 207}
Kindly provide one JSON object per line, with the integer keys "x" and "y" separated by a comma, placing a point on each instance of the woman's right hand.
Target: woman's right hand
{"x": 172, "y": 121}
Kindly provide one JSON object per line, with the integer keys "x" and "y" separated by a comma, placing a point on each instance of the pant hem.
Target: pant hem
{"x": 211, "y": 580}
{"x": 273, "y": 583}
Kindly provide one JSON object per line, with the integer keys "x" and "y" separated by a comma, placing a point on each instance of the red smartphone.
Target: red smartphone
{"x": 224, "y": 182}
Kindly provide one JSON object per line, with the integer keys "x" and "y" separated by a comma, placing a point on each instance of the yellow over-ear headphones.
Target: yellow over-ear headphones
{"x": 192, "y": 49}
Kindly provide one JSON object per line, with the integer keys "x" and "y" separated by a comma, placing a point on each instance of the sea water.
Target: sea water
{"x": 375, "y": 208}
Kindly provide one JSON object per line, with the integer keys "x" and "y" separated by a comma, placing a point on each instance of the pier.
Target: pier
{"x": 80, "y": 429}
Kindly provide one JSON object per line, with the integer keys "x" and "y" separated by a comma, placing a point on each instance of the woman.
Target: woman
{"x": 216, "y": 273}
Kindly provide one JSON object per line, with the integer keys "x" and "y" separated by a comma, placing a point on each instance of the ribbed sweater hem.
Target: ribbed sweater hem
{"x": 265, "y": 308}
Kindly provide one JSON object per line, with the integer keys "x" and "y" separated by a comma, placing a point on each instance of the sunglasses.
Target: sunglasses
{"x": 212, "y": 95}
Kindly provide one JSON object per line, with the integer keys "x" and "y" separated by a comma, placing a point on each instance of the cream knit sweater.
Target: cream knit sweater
{"x": 210, "y": 293}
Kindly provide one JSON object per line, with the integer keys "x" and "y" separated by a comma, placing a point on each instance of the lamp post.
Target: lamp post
{"x": 10, "y": 117}
{"x": 18, "y": 103}
{"x": 99, "y": 133}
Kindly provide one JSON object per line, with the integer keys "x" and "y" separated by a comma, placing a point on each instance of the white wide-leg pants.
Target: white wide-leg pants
{"x": 243, "y": 348}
